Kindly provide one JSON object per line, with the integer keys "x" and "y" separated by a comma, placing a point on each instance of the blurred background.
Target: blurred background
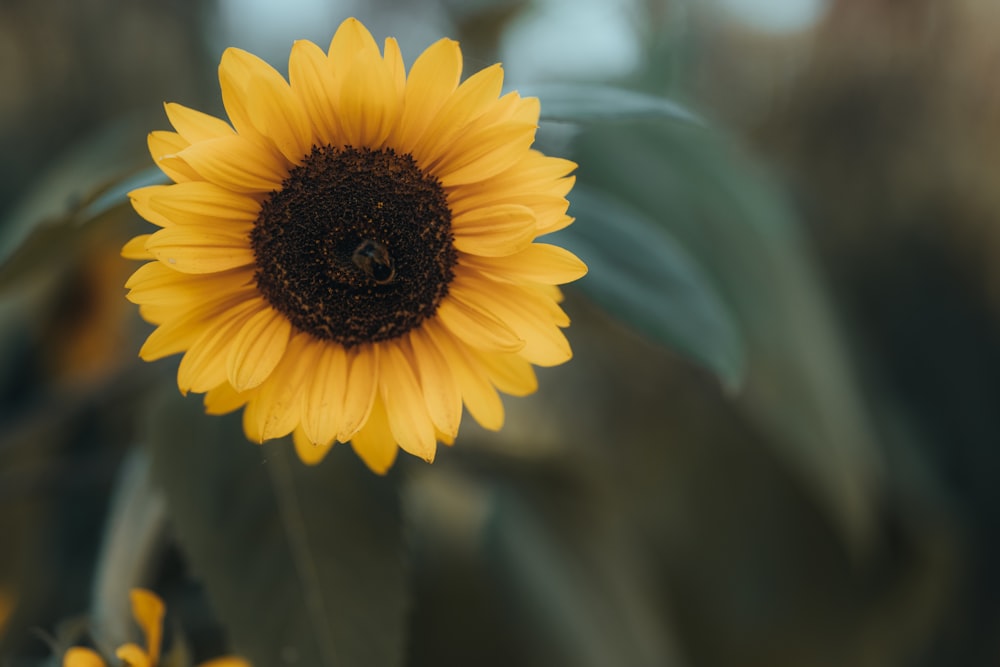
{"x": 778, "y": 442}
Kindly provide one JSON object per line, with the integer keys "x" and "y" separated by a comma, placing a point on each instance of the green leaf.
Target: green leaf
{"x": 801, "y": 388}
{"x": 73, "y": 201}
{"x": 641, "y": 275}
{"x": 589, "y": 102}
{"x": 566, "y": 569}
{"x": 304, "y": 565}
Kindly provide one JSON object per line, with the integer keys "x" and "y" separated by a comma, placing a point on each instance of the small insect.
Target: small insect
{"x": 373, "y": 258}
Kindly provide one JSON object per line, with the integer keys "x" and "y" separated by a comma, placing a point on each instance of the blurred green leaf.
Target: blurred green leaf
{"x": 640, "y": 274}
{"x": 590, "y": 102}
{"x": 304, "y": 564}
{"x": 564, "y": 570}
{"x": 85, "y": 188}
{"x": 800, "y": 384}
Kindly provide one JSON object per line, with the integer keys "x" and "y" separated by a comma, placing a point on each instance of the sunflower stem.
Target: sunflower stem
{"x": 282, "y": 480}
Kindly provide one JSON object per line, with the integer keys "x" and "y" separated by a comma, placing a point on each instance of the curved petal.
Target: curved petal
{"x": 179, "y": 333}
{"x": 374, "y": 443}
{"x": 312, "y": 82}
{"x": 276, "y": 406}
{"x": 441, "y": 394}
{"x": 133, "y": 656}
{"x": 136, "y": 248}
{"x": 394, "y": 63}
{"x": 224, "y": 399}
{"x": 236, "y": 164}
{"x": 433, "y": 78}
{"x": 495, "y": 231}
{"x": 362, "y": 386}
{"x": 199, "y": 203}
{"x": 369, "y": 104}
{"x": 142, "y": 199}
{"x": 194, "y": 125}
{"x": 510, "y": 373}
{"x": 308, "y": 451}
{"x": 468, "y": 102}
{"x": 163, "y": 148}
{"x": 534, "y": 318}
{"x": 203, "y": 366}
{"x": 352, "y": 38}
{"x": 148, "y": 610}
{"x": 539, "y": 262}
{"x": 189, "y": 249}
{"x": 279, "y": 115}
{"x": 82, "y": 657}
{"x": 323, "y": 398}
{"x": 478, "y": 393}
{"x": 476, "y": 157}
{"x": 404, "y": 402}
{"x": 257, "y": 349}
{"x": 236, "y": 68}
{"x": 476, "y": 326}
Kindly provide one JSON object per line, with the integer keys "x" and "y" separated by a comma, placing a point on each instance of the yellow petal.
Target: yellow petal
{"x": 476, "y": 326}
{"x": 279, "y": 115}
{"x": 478, "y": 393}
{"x": 235, "y": 71}
{"x": 409, "y": 420}
{"x": 495, "y": 231}
{"x": 148, "y": 610}
{"x": 311, "y": 81}
{"x": 510, "y": 373}
{"x": 154, "y": 283}
{"x": 142, "y": 199}
{"x": 351, "y": 39}
{"x": 194, "y": 125}
{"x": 163, "y": 146}
{"x": 226, "y": 661}
{"x": 394, "y": 63}
{"x": 189, "y": 249}
{"x": 180, "y": 333}
{"x": 476, "y": 157}
{"x": 374, "y": 443}
{"x": 362, "y": 383}
{"x": 203, "y": 367}
{"x": 236, "y": 164}
{"x": 276, "y": 406}
{"x": 323, "y": 401}
{"x": 133, "y": 656}
{"x": 539, "y": 262}
{"x": 224, "y": 399}
{"x": 82, "y": 657}
{"x": 535, "y": 319}
{"x": 369, "y": 104}
{"x": 433, "y": 78}
{"x": 309, "y": 452}
{"x": 441, "y": 393}
{"x": 257, "y": 349}
{"x": 470, "y": 101}
{"x": 136, "y": 248}
{"x": 200, "y": 203}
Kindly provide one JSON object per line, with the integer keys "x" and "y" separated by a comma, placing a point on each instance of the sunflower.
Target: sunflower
{"x": 148, "y": 611}
{"x": 354, "y": 257}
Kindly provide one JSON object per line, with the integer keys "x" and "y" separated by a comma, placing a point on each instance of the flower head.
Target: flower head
{"x": 148, "y": 610}
{"x": 354, "y": 257}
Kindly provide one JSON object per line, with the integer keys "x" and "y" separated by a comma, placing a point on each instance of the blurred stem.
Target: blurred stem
{"x": 278, "y": 467}
{"x": 134, "y": 537}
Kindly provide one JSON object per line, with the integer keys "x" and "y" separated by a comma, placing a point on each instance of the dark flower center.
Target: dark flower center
{"x": 356, "y": 246}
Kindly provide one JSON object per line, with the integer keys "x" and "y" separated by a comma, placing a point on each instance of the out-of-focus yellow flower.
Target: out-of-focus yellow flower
{"x": 148, "y": 610}
{"x": 354, "y": 257}
{"x": 6, "y": 609}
